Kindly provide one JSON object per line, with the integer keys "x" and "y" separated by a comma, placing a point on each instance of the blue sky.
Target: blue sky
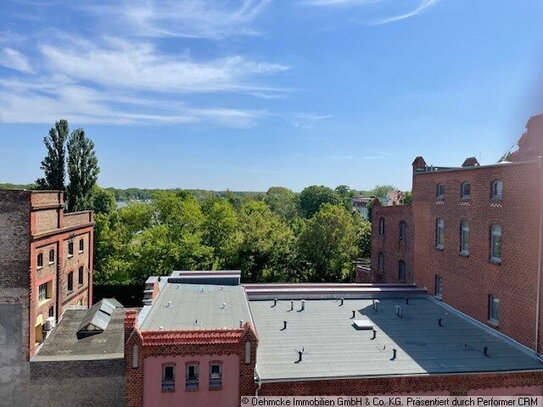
{"x": 249, "y": 94}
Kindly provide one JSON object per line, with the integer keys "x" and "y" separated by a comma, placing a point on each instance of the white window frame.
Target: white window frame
{"x": 465, "y": 237}
{"x": 496, "y": 233}
{"x": 496, "y": 190}
{"x": 440, "y": 233}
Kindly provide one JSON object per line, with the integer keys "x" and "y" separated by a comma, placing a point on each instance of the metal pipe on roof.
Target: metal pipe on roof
{"x": 274, "y": 303}
{"x": 440, "y": 322}
{"x": 299, "y": 356}
{"x": 485, "y": 350}
{"x": 374, "y": 334}
{"x": 284, "y": 325}
{"x": 291, "y": 305}
{"x": 354, "y": 314}
{"x": 341, "y": 301}
{"x": 394, "y": 351}
{"x": 303, "y": 305}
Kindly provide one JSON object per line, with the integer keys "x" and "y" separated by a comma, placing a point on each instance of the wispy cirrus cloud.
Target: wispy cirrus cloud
{"x": 307, "y": 120}
{"x": 215, "y": 19}
{"x": 423, "y": 6}
{"x": 13, "y": 59}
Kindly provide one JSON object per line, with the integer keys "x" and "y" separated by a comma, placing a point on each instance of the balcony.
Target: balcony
{"x": 168, "y": 386}
{"x": 191, "y": 385}
{"x": 215, "y": 383}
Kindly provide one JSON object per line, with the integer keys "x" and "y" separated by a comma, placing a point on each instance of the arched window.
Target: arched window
{"x": 401, "y": 271}
{"x": 497, "y": 190}
{"x": 381, "y": 261}
{"x": 496, "y": 243}
{"x": 403, "y": 231}
{"x": 440, "y": 233}
{"x": 381, "y": 226}
{"x": 465, "y": 190}
{"x": 440, "y": 191}
{"x": 464, "y": 238}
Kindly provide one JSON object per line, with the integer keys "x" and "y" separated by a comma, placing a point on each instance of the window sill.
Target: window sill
{"x": 465, "y": 198}
{"x": 70, "y": 256}
{"x": 51, "y": 263}
{"x": 440, "y": 248}
{"x": 497, "y": 262}
{"x": 43, "y": 302}
{"x": 493, "y": 323}
{"x": 464, "y": 254}
{"x": 39, "y": 268}
{"x": 81, "y": 251}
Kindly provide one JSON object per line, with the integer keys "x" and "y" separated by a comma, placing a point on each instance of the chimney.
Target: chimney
{"x": 151, "y": 291}
{"x": 130, "y": 322}
{"x": 470, "y": 162}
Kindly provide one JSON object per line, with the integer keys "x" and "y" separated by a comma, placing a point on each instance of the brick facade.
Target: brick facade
{"x": 151, "y": 344}
{"x": 456, "y": 385}
{"x": 34, "y": 229}
{"x": 468, "y": 279}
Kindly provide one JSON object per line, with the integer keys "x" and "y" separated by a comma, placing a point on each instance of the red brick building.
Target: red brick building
{"x": 45, "y": 260}
{"x": 473, "y": 237}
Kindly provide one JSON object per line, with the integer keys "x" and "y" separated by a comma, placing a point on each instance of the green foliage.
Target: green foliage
{"x": 103, "y": 200}
{"x": 408, "y": 198}
{"x": 53, "y": 164}
{"x": 329, "y": 243}
{"x": 282, "y": 201}
{"x": 313, "y": 197}
{"x": 82, "y": 169}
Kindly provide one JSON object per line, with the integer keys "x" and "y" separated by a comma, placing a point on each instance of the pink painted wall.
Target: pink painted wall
{"x": 228, "y": 396}
{"x": 509, "y": 391}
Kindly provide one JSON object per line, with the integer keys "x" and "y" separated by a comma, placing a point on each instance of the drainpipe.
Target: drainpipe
{"x": 539, "y": 259}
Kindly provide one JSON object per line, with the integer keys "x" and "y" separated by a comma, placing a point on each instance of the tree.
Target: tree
{"x": 328, "y": 243}
{"x": 363, "y": 236}
{"x": 313, "y": 197}
{"x": 54, "y": 162}
{"x": 282, "y": 201}
{"x": 82, "y": 169}
{"x": 346, "y": 194}
{"x": 266, "y": 247}
{"x": 221, "y": 233}
{"x": 103, "y": 200}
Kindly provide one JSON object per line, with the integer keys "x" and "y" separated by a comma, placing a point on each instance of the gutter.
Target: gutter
{"x": 539, "y": 261}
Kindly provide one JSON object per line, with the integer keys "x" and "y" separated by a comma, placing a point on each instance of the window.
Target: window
{"x": 81, "y": 274}
{"x": 403, "y": 231}
{"x": 168, "y": 377}
{"x": 215, "y": 375}
{"x": 135, "y": 355}
{"x": 493, "y": 309}
{"x": 192, "y": 377}
{"x": 465, "y": 190}
{"x": 440, "y": 233}
{"x": 51, "y": 256}
{"x": 381, "y": 261}
{"x": 43, "y": 292}
{"x": 40, "y": 260}
{"x": 70, "y": 281}
{"x": 247, "y": 353}
{"x": 70, "y": 248}
{"x": 497, "y": 190}
{"x": 51, "y": 311}
{"x": 438, "y": 287}
{"x": 464, "y": 238}
{"x": 440, "y": 191}
{"x": 401, "y": 271}
{"x": 81, "y": 245}
{"x": 382, "y": 226}
{"x": 496, "y": 243}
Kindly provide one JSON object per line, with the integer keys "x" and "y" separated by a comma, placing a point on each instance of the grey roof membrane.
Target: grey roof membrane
{"x": 332, "y": 347}
{"x": 63, "y": 344}
{"x": 197, "y": 306}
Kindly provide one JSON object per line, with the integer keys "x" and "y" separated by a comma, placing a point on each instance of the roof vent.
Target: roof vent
{"x": 302, "y": 307}
{"x": 374, "y": 305}
{"x": 223, "y": 305}
{"x": 399, "y": 311}
{"x": 341, "y": 300}
{"x": 291, "y": 305}
{"x": 97, "y": 317}
{"x": 241, "y": 323}
{"x": 274, "y": 303}
{"x": 363, "y": 324}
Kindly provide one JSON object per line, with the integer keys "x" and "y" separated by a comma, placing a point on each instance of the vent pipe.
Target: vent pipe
{"x": 485, "y": 350}
{"x": 399, "y": 311}
{"x": 274, "y": 303}
{"x": 291, "y": 305}
{"x": 374, "y": 305}
{"x": 394, "y": 351}
{"x": 354, "y": 314}
{"x": 241, "y": 323}
{"x": 303, "y": 305}
{"x": 440, "y": 322}
{"x": 407, "y": 300}
{"x": 284, "y": 325}
{"x": 341, "y": 302}
{"x": 300, "y": 353}
{"x": 374, "y": 335}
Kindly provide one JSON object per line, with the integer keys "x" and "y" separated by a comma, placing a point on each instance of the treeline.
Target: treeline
{"x": 277, "y": 236}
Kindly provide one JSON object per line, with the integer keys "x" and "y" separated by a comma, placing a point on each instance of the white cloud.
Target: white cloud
{"x": 307, "y": 120}
{"x": 13, "y": 59}
{"x": 141, "y": 66}
{"x": 215, "y": 19}
{"x": 425, "y": 4}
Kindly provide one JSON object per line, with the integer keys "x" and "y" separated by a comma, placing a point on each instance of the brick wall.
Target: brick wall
{"x": 394, "y": 250}
{"x": 453, "y": 384}
{"x": 469, "y": 280}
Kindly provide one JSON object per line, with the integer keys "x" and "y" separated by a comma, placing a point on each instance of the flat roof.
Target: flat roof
{"x": 62, "y": 343}
{"x": 197, "y": 306}
{"x": 332, "y": 347}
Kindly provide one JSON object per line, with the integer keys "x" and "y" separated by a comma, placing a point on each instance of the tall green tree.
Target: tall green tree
{"x": 103, "y": 200}
{"x": 282, "y": 201}
{"x": 329, "y": 243}
{"x": 82, "y": 170}
{"x": 221, "y": 233}
{"x": 54, "y": 163}
{"x": 313, "y": 197}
